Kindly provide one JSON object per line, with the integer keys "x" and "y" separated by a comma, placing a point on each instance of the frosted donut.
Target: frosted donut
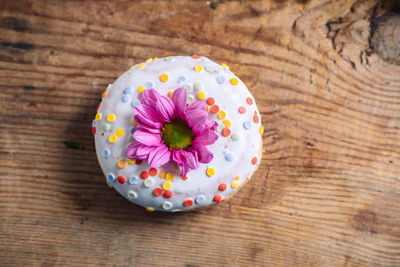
{"x": 193, "y": 153}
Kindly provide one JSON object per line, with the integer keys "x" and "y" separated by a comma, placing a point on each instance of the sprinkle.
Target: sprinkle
{"x": 162, "y": 174}
{"x": 141, "y": 89}
{"x": 119, "y": 132}
{"x": 155, "y": 58}
{"x": 235, "y": 136}
{"x": 138, "y": 162}
{"x": 195, "y": 56}
{"x": 106, "y": 153}
{"x": 170, "y": 93}
{"x": 207, "y": 108}
{"x": 249, "y": 101}
{"x": 133, "y": 180}
{"x": 148, "y": 85}
{"x": 214, "y": 109}
{"x": 217, "y": 198}
{"x": 261, "y": 129}
{"x": 237, "y": 177}
{"x": 198, "y": 68}
{"x": 111, "y": 177}
{"x": 133, "y": 130}
{"x": 210, "y": 101}
{"x": 166, "y": 186}
{"x": 169, "y": 59}
{"x": 222, "y": 187}
{"x": 131, "y": 161}
{"x": 167, "y": 205}
{"x": 128, "y": 90}
{"x": 229, "y": 157}
{"x": 121, "y": 179}
{"x": 210, "y": 172}
{"x": 106, "y": 127}
{"x": 247, "y": 125}
{"x": 148, "y": 182}
{"x": 227, "y": 123}
{"x": 132, "y": 195}
{"x": 254, "y": 160}
{"x": 197, "y": 86}
{"x": 181, "y": 79}
{"x": 150, "y": 209}
{"x": 256, "y": 119}
{"x": 221, "y": 79}
{"x": 144, "y": 174}
{"x": 153, "y": 171}
{"x": 242, "y": 110}
{"x": 190, "y": 99}
{"x": 140, "y": 67}
{"x": 93, "y": 123}
{"x": 135, "y": 103}
{"x": 148, "y": 60}
{"x": 98, "y": 117}
{"x": 234, "y": 81}
{"x": 225, "y": 66}
{"x": 220, "y": 128}
{"x": 226, "y": 132}
{"x": 247, "y": 179}
{"x": 93, "y": 130}
{"x": 111, "y": 117}
{"x": 112, "y": 138}
{"x": 188, "y": 87}
{"x": 188, "y": 202}
{"x": 221, "y": 115}
{"x": 122, "y": 163}
{"x": 169, "y": 176}
{"x": 201, "y": 95}
{"x": 200, "y": 199}
{"x": 98, "y": 106}
{"x": 168, "y": 194}
{"x": 104, "y": 94}
{"x": 163, "y": 78}
{"x": 210, "y": 68}
{"x": 183, "y": 177}
{"x": 234, "y": 184}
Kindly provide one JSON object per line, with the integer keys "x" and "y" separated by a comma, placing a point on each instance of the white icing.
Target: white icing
{"x": 199, "y": 186}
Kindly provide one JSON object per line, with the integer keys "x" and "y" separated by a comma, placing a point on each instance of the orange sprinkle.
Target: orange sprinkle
{"x": 195, "y": 56}
{"x": 215, "y": 109}
{"x": 249, "y": 101}
{"x": 226, "y": 132}
{"x": 254, "y": 160}
{"x": 183, "y": 177}
{"x": 162, "y": 174}
{"x": 153, "y": 171}
{"x": 242, "y": 110}
{"x": 217, "y": 198}
{"x": 210, "y": 101}
{"x": 138, "y": 162}
{"x": 256, "y": 119}
{"x": 144, "y": 175}
{"x": 222, "y": 187}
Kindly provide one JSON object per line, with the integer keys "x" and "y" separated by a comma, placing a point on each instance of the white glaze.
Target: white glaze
{"x": 227, "y": 96}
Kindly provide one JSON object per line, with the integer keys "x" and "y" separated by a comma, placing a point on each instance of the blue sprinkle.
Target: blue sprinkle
{"x": 128, "y": 90}
{"x": 181, "y": 79}
{"x": 247, "y": 125}
{"x": 136, "y": 103}
{"x": 148, "y": 85}
{"x": 125, "y": 98}
{"x": 93, "y": 123}
{"x": 200, "y": 198}
{"x": 111, "y": 177}
{"x": 133, "y": 130}
{"x": 106, "y": 153}
{"x": 220, "y": 79}
{"x": 133, "y": 180}
{"x": 229, "y": 157}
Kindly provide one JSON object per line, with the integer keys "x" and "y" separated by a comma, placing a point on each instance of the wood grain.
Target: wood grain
{"x": 326, "y": 78}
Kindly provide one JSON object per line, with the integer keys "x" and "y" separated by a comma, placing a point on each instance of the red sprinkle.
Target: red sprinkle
{"x": 249, "y": 101}
{"x": 93, "y": 130}
{"x": 242, "y": 110}
{"x": 121, "y": 179}
{"x": 226, "y": 132}
{"x": 158, "y": 191}
{"x": 144, "y": 175}
{"x": 214, "y": 109}
{"x": 188, "y": 202}
{"x": 167, "y": 194}
{"x": 183, "y": 177}
{"x": 102, "y": 134}
{"x": 254, "y": 160}
{"x": 256, "y": 119}
{"x": 222, "y": 187}
{"x": 98, "y": 106}
{"x": 138, "y": 161}
{"x": 210, "y": 101}
{"x": 195, "y": 56}
{"x": 153, "y": 171}
{"x": 217, "y": 198}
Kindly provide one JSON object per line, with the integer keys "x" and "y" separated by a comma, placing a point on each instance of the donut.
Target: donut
{"x": 177, "y": 133}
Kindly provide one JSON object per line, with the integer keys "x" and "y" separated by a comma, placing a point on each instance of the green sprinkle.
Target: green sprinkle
{"x": 73, "y": 145}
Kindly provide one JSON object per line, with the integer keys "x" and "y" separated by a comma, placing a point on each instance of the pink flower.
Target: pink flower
{"x": 169, "y": 129}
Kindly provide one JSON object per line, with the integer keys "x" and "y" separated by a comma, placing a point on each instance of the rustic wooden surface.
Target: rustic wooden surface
{"x": 326, "y": 76}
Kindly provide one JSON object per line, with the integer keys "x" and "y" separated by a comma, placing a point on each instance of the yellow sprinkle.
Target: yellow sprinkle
{"x": 122, "y": 163}
{"x": 131, "y": 161}
{"x": 150, "y": 209}
{"x": 227, "y": 123}
{"x": 201, "y": 95}
{"x": 234, "y": 184}
{"x": 208, "y": 108}
{"x": 225, "y": 66}
{"x": 261, "y": 129}
{"x": 221, "y": 115}
{"x": 170, "y": 94}
{"x": 234, "y": 81}
{"x": 134, "y": 122}
{"x": 154, "y": 59}
{"x": 210, "y": 172}
{"x": 140, "y": 67}
{"x": 105, "y": 93}
{"x": 237, "y": 178}
{"x": 166, "y": 186}
{"x": 247, "y": 179}
{"x": 112, "y": 138}
{"x": 148, "y": 60}
{"x": 98, "y": 116}
{"x": 162, "y": 174}
{"x": 164, "y": 77}
{"x": 141, "y": 89}
{"x": 119, "y": 132}
{"x": 111, "y": 117}
{"x": 198, "y": 68}
{"x": 169, "y": 176}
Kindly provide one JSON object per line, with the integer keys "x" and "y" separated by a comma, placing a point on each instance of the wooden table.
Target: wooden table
{"x": 326, "y": 77}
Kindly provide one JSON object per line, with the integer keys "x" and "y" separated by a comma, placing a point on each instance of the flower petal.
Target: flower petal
{"x": 196, "y": 118}
{"x": 210, "y": 124}
{"x": 179, "y": 98}
{"x": 186, "y": 159}
{"x": 149, "y": 97}
{"x": 148, "y": 129}
{"x": 143, "y": 151}
{"x": 207, "y": 138}
{"x": 159, "y": 156}
{"x": 132, "y": 149}
{"x": 203, "y": 154}
{"x": 165, "y": 108}
{"x": 148, "y": 115}
{"x": 199, "y": 104}
{"x": 147, "y": 138}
